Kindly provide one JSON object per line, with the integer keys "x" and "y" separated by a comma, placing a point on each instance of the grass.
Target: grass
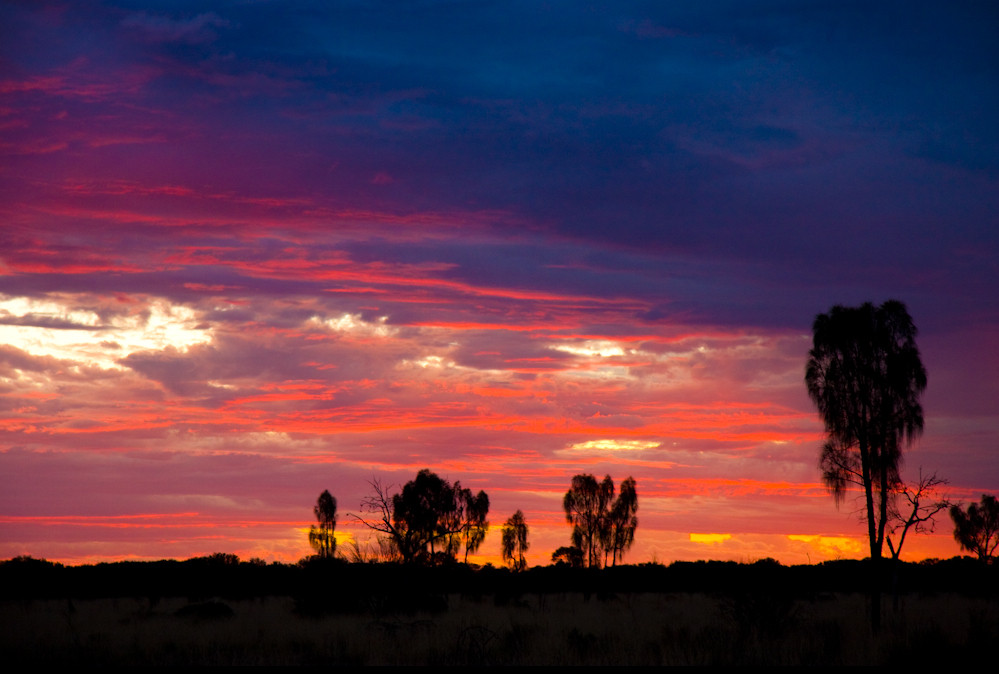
{"x": 559, "y": 629}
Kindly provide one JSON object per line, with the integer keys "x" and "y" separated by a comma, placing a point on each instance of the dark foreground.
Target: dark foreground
{"x": 384, "y": 615}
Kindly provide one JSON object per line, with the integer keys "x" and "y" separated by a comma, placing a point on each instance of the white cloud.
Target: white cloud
{"x": 58, "y": 327}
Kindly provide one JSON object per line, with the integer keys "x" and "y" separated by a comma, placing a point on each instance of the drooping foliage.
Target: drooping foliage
{"x": 515, "y": 541}
{"x": 602, "y": 526}
{"x": 476, "y": 510}
{"x": 321, "y": 535}
{"x": 623, "y": 521}
{"x": 865, "y": 375}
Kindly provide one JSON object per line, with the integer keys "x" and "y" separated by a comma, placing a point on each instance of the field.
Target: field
{"x": 570, "y": 628}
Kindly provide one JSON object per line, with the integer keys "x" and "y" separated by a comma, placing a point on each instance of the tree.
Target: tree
{"x": 321, "y": 536}
{"x": 914, "y": 508}
{"x": 977, "y": 528}
{"x": 570, "y": 555}
{"x": 586, "y": 505}
{"x": 865, "y": 376}
{"x": 515, "y": 541}
{"x": 393, "y": 539}
{"x": 622, "y": 521}
{"x": 429, "y": 519}
{"x": 475, "y": 523}
{"x": 602, "y": 526}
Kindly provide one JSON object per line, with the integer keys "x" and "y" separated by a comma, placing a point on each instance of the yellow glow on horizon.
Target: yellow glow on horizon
{"x": 831, "y": 546}
{"x": 709, "y": 539}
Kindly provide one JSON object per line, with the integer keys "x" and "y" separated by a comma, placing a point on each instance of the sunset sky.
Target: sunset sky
{"x": 253, "y": 252}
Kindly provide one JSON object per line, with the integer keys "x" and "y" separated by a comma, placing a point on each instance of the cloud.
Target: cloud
{"x": 159, "y": 28}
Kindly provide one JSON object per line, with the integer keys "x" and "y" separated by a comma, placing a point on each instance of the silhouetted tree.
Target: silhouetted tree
{"x": 515, "y": 541}
{"x": 321, "y": 536}
{"x": 602, "y": 526}
{"x": 393, "y": 543}
{"x": 977, "y": 528}
{"x": 428, "y": 519}
{"x": 586, "y": 507}
{"x": 622, "y": 521}
{"x": 914, "y": 508}
{"x": 865, "y": 376}
{"x": 475, "y": 523}
{"x": 570, "y": 555}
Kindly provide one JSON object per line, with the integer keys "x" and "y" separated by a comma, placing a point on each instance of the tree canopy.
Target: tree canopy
{"x": 602, "y": 526}
{"x": 430, "y": 519}
{"x": 977, "y": 528}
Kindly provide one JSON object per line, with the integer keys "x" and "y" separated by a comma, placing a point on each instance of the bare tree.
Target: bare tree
{"x": 515, "y": 541}
{"x": 914, "y": 508}
{"x": 393, "y": 539}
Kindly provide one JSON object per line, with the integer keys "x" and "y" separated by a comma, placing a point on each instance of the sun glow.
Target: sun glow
{"x": 831, "y": 546}
{"x": 709, "y": 539}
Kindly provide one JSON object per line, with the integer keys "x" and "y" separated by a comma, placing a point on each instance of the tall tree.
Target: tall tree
{"x": 865, "y": 376}
{"x": 622, "y": 521}
{"x": 321, "y": 536}
{"x": 602, "y": 526}
{"x": 586, "y": 505}
{"x": 475, "y": 524}
{"x": 515, "y": 541}
{"x": 977, "y": 528}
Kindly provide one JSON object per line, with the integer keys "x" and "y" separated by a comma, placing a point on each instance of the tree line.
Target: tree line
{"x": 866, "y": 377}
{"x": 431, "y": 521}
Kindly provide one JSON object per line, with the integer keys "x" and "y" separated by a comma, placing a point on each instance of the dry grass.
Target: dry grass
{"x": 567, "y": 629}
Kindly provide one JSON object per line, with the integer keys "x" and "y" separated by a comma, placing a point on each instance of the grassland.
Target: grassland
{"x": 220, "y": 611}
{"x": 563, "y": 629}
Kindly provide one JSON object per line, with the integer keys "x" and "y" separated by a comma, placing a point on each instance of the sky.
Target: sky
{"x": 253, "y": 250}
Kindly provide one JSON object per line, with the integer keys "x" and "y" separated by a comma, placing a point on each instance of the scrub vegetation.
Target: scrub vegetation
{"x": 220, "y": 611}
